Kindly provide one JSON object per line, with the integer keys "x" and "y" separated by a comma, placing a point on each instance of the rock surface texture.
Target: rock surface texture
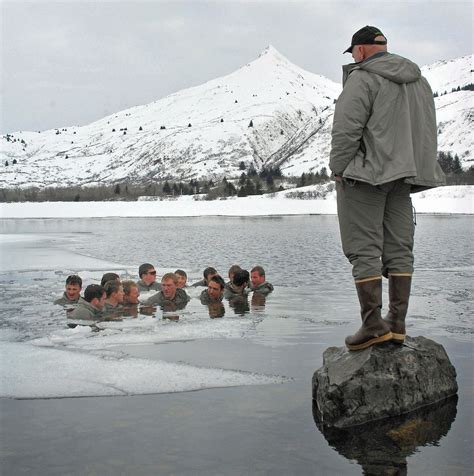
{"x": 352, "y": 388}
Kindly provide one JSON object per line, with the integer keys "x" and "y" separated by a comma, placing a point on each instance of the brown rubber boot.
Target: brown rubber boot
{"x": 373, "y": 330}
{"x": 399, "y": 293}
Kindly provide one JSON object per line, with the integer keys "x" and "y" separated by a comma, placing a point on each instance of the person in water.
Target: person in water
{"x": 147, "y": 282}
{"x": 214, "y": 291}
{"x": 114, "y": 302}
{"x": 208, "y": 273}
{"x": 170, "y": 297}
{"x": 238, "y": 286}
{"x": 90, "y": 308}
{"x": 131, "y": 293}
{"x": 258, "y": 281}
{"x": 231, "y": 272}
{"x": 109, "y": 277}
{"x": 72, "y": 292}
{"x": 182, "y": 278}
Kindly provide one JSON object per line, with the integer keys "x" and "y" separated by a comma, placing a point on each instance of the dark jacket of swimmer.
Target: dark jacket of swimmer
{"x": 143, "y": 288}
{"x": 265, "y": 288}
{"x": 238, "y": 286}
{"x": 111, "y": 308}
{"x": 230, "y": 291}
{"x": 85, "y": 311}
{"x": 159, "y": 299}
{"x": 206, "y": 299}
{"x": 91, "y": 308}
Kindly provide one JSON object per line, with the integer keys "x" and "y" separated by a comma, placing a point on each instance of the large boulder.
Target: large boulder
{"x": 352, "y": 388}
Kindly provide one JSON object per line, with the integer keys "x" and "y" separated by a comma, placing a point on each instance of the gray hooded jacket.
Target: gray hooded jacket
{"x": 85, "y": 311}
{"x": 385, "y": 124}
{"x": 159, "y": 299}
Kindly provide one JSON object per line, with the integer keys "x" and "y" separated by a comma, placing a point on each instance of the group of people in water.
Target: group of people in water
{"x": 114, "y": 298}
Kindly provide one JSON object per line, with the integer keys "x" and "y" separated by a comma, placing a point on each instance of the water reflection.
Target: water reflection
{"x": 240, "y": 304}
{"x": 382, "y": 447}
{"x": 216, "y": 310}
{"x": 258, "y": 301}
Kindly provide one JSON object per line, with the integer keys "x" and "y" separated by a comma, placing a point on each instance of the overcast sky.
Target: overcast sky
{"x": 73, "y": 62}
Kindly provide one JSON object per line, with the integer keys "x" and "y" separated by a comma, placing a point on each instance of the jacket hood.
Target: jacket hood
{"x": 392, "y": 67}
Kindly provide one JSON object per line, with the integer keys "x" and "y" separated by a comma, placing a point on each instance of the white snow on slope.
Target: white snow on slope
{"x": 455, "y": 109}
{"x": 450, "y": 199}
{"x": 201, "y": 131}
{"x": 204, "y": 131}
{"x": 448, "y": 74}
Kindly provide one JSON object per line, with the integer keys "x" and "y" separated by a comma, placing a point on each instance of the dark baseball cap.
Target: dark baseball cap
{"x": 366, "y": 36}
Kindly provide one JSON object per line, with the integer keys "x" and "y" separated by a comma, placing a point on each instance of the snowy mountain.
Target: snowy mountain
{"x": 454, "y": 108}
{"x": 269, "y": 112}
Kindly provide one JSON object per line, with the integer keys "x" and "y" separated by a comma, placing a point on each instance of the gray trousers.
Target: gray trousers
{"x": 376, "y": 225}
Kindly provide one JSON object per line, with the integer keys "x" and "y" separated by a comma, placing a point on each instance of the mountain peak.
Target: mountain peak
{"x": 270, "y": 49}
{"x": 271, "y": 52}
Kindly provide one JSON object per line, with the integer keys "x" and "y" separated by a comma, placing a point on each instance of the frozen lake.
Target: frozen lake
{"x": 254, "y": 364}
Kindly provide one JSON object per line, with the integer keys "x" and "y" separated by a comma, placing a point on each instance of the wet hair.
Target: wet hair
{"x": 93, "y": 291}
{"x": 241, "y": 277}
{"x": 109, "y": 277}
{"x": 111, "y": 287}
{"x": 208, "y": 271}
{"x": 74, "y": 279}
{"x": 144, "y": 268}
{"x": 128, "y": 285}
{"x": 218, "y": 279}
{"x": 170, "y": 276}
{"x": 180, "y": 272}
{"x": 233, "y": 269}
{"x": 259, "y": 270}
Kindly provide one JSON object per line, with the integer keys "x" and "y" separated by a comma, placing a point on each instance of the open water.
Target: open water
{"x": 252, "y": 427}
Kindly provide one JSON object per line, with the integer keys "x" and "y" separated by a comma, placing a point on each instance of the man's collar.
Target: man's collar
{"x": 374, "y": 56}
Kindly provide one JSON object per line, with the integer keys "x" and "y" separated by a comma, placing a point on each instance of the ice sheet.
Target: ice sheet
{"x": 34, "y": 372}
{"x": 44, "y": 252}
{"x": 147, "y": 331}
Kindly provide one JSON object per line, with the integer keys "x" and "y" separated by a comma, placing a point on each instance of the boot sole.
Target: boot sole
{"x": 375, "y": 340}
{"x": 399, "y": 338}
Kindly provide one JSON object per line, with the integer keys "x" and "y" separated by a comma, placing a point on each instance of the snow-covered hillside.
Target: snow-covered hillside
{"x": 454, "y": 109}
{"x": 269, "y": 112}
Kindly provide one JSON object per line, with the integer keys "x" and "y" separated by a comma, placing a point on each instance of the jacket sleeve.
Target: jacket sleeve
{"x": 350, "y": 117}
{"x": 154, "y": 300}
{"x": 82, "y": 314}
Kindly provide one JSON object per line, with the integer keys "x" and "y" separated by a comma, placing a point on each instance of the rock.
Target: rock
{"x": 383, "y": 449}
{"x": 352, "y": 388}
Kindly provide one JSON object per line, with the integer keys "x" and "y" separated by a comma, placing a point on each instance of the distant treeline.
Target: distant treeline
{"x": 250, "y": 182}
{"x": 467, "y": 87}
{"x": 455, "y": 175}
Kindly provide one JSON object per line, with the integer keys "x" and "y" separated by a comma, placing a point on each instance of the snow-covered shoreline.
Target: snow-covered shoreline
{"x": 445, "y": 200}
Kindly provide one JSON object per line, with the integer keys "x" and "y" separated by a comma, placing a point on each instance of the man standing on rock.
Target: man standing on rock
{"x": 383, "y": 148}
